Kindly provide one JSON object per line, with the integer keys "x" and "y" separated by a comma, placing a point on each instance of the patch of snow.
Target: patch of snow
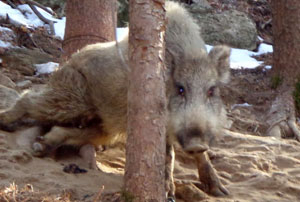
{"x": 13, "y": 14}
{"x": 240, "y": 105}
{"x": 59, "y": 27}
{"x": 240, "y": 58}
{"x": 46, "y": 68}
{"x": 5, "y": 29}
{"x": 4, "y": 44}
{"x": 59, "y": 24}
{"x": 268, "y": 67}
{"x": 122, "y": 32}
{"x": 30, "y": 19}
{"x": 264, "y": 48}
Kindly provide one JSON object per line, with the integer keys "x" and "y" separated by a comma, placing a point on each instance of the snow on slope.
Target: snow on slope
{"x": 239, "y": 58}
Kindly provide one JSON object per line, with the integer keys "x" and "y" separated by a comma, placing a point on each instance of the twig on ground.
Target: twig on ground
{"x": 97, "y": 198}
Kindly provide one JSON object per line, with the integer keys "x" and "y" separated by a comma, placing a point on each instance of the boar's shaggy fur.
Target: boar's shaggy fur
{"x": 89, "y": 93}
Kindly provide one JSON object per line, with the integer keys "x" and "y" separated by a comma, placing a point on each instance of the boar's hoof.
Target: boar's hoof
{"x": 219, "y": 190}
{"x": 88, "y": 154}
{"x": 39, "y": 149}
{"x": 170, "y": 199}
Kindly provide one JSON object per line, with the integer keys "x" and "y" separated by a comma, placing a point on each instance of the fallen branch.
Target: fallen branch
{"x": 15, "y": 7}
{"x": 29, "y": 2}
{"x": 42, "y": 18}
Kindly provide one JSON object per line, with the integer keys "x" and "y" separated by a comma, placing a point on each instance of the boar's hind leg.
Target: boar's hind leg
{"x": 170, "y": 186}
{"x": 13, "y": 113}
{"x": 208, "y": 177}
{"x": 59, "y": 136}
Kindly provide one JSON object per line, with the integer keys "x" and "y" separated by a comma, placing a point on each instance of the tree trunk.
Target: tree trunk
{"x": 286, "y": 67}
{"x": 145, "y": 148}
{"x": 88, "y": 22}
{"x": 286, "y": 31}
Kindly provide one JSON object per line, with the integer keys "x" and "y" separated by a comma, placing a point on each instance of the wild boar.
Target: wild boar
{"x": 86, "y": 100}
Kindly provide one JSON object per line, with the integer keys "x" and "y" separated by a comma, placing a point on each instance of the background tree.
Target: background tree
{"x": 286, "y": 67}
{"x": 145, "y": 149}
{"x": 88, "y": 22}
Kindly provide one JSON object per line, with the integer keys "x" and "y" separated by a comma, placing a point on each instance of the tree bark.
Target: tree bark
{"x": 286, "y": 32}
{"x": 146, "y": 147}
{"x": 286, "y": 66}
{"x": 88, "y": 22}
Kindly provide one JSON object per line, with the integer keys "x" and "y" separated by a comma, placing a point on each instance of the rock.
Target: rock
{"x": 7, "y": 37}
{"x": 201, "y": 6}
{"x": 24, "y": 84}
{"x": 230, "y": 27}
{"x": 48, "y": 44}
{"x": 10, "y": 96}
{"x": 7, "y": 82}
{"x": 23, "y": 60}
{"x": 189, "y": 192}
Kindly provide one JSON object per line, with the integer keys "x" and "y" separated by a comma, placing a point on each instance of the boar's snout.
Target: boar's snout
{"x": 192, "y": 140}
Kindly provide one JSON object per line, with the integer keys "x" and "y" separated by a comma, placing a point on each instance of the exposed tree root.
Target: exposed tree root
{"x": 281, "y": 117}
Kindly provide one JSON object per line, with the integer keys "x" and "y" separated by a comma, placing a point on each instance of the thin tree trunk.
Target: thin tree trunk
{"x": 145, "y": 148}
{"x": 286, "y": 67}
{"x": 88, "y": 22}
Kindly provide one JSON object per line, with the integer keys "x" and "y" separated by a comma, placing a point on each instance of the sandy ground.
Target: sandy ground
{"x": 252, "y": 168}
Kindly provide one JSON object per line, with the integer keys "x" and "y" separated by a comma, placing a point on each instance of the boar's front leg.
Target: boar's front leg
{"x": 170, "y": 186}
{"x": 208, "y": 177}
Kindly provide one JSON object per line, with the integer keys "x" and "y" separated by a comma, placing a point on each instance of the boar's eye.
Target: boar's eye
{"x": 180, "y": 90}
{"x": 211, "y": 91}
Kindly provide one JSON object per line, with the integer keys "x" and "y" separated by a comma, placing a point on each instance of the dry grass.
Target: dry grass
{"x": 12, "y": 193}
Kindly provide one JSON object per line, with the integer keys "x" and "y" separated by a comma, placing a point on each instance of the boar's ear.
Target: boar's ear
{"x": 220, "y": 55}
{"x": 173, "y": 56}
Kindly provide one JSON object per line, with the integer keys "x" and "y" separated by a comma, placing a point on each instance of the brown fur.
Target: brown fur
{"x": 93, "y": 84}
